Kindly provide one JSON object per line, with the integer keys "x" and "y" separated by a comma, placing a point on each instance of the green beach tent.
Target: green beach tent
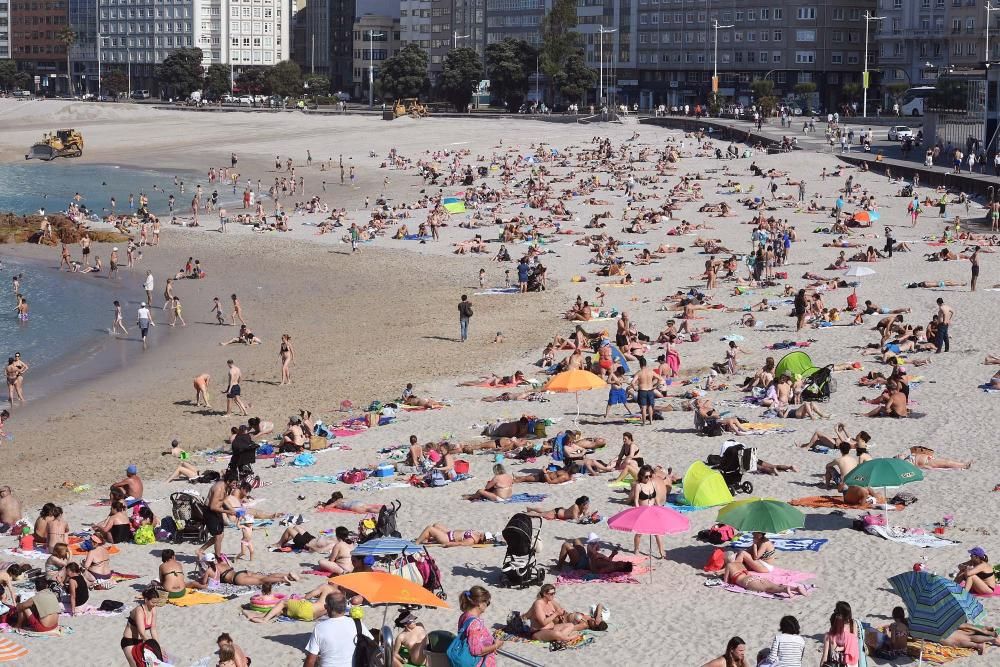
{"x": 795, "y": 363}
{"x": 704, "y": 487}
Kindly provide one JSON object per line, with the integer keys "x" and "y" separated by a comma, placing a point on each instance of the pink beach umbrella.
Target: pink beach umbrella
{"x": 650, "y": 520}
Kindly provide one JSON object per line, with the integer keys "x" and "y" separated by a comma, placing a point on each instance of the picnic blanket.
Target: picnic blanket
{"x": 640, "y": 565}
{"x": 831, "y": 502}
{"x": 905, "y": 536}
{"x": 9, "y": 651}
{"x": 193, "y": 597}
{"x": 781, "y": 543}
{"x": 580, "y": 642}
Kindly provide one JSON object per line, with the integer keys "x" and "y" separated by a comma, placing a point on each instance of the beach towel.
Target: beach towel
{"x": 524, "y": 498}
{"x": 54, "y": 633}
{"x": 193, "y": 597}
{"x": 9, "y": 651}
{"x": 831, "y": 502}
{"x": 78, "y": 550}
{"x": 934, "y": 653}
{"x": 28, "y": 555}
{"x": 580, "y": 642}
{"x": 91, "y": 610}
{"x": 498, "y": 290}
{"x": 640, "y": 565}
{"x": 337, "y": 510}
{"x": 778, "y": 576}
{"x": 318, "y": 573}
{"x": 329, "y": 479}
{"x": 781, "y": 543}
{"x": 903, "y": 536}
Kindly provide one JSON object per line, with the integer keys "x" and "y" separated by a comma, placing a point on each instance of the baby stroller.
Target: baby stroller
{"x": 821, "y": 385}
{"x": 188, "y": 511}
{"x": 735, "y": 460}
{"x": 384, "y": 525}
{"x": 520, "y": 567}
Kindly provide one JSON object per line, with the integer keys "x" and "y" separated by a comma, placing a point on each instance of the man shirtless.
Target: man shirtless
{"x": 216, "y": 507}
{"x": 893, "y": 402}
{"x": 838, "y": 469}
{"x": 15, "y": 371}
{"x": 945, "y": 314}
{"x": 233, "y": 388}
{"x": 644, "y": 381}
{"x": 201, "y": 389}
{"x": 10, "y": 509}
{"x": 130, "y": 487}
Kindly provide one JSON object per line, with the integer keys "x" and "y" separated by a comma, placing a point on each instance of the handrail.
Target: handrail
{"x": 517, "y": 658}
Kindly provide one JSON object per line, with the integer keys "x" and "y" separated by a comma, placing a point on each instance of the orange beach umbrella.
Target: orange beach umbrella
{"x": 573, "y": 382}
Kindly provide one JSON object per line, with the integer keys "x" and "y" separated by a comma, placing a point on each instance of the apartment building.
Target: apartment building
{"x": 415, "y": 22}
{"x": 329, "y": 28}
{"x": 35, "y": 26}
{"x": 456, "y": 23}
{"x": 919, "y": 38}
{"x": 4, "y": 29}
{"x": 376, "y": 38}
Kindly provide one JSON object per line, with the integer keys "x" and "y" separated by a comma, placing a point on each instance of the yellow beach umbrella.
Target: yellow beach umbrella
{"x": 573, "y": 382}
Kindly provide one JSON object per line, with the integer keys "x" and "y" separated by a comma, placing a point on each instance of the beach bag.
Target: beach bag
{"x": 540, "y": 429}
{"x": 716, "y": 561}
{"x": 717, "y": 534}
{"x": 316, "y": 443}
{"x": 144, "y": 535}
{"x": 459, "y": 653}
{"x": 436, "y": 478}
{"x": 354, "y": 476}
{"x": 367, "y": 652}
{"x": 873, "y": 520}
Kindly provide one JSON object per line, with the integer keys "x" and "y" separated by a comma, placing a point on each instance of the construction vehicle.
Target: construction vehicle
{"x": 61, "y": 143}
{"x": 409, "y": 107}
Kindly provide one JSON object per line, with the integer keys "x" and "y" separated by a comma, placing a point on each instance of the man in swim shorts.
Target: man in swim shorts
{"x": 213, "y": 513}
{"x": 643, "y": 382}
{"x": 233, "y": 388}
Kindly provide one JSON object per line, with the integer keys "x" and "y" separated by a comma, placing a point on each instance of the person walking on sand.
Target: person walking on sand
{"x": 15, "y": 371}
{"x": 237, "y": 311}
{"x": 168, "y": 294}
{"x": 119, "y": 322}
{"x": 217, "y": 311}
{"x": 64, "y": 259}
{"x": 464, "y": 315}
{"x": 643, "y": 382}
{"x": 175, "y": 312}
{"x": 201, "y": 389}
{"x": 233, "y": 388}
{"x": 147, "y": 285}
{"x": 945, "y": 315}
{"x": 974, "y": 258}
{"x": 145, "y": 320}
{"x": 287, "y": 355}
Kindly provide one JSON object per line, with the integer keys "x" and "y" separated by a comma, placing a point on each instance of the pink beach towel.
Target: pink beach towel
{"x": 778, "y": 576}
{"x": 640, "y": 565}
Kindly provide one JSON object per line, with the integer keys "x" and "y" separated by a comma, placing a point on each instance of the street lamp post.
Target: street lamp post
{"x": 715, "y": 61}
{"x": 600, "y": 95}
{"x": 864, "y": 78}
{"x": 371, "y": 65}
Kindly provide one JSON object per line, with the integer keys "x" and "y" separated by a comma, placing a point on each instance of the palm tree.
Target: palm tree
{"x": 67, "y": 37}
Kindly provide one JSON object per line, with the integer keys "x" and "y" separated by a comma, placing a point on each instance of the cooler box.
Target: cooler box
{"x": 384, "y": 470}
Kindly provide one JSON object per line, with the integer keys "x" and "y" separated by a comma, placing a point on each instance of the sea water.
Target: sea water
{"x": 27, "y": 187}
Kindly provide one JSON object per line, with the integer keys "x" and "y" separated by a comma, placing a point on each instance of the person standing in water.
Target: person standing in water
{"x": 64, "y": 259}
{"x": 119, "y": 322}
{"x": 113, "y": 264}
{"x": 145, "y": 320}
{"x": 22, "y": 310}
{"x": 85, "y": 249}
{"x": 233, "y": 388}
{"x": 147, "y": 285}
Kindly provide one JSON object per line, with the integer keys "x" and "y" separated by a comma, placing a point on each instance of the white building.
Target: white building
{"x": 257, "y": 31}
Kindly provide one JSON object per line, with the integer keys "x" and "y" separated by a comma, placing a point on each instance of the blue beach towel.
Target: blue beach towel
{"x": 782, "y": 543}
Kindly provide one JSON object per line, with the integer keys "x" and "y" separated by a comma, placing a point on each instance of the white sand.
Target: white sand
{"x": 672, "y": 621}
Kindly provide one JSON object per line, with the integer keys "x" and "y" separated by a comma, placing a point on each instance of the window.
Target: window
{"x": 778, "y": 36}
{"x": 779, "y": 13}
{"x": 838, "y": 13}
{"x": 805, "y": 57}
{"x": 837, "y": 58}
{"x": 765, "y": 14}
{"x": 776, "y": 58}
{"x": 805, "y": 35}
{"x": 807, "y": 13}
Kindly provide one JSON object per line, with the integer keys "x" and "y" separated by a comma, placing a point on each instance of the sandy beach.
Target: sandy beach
{"x": 365, "y": 324}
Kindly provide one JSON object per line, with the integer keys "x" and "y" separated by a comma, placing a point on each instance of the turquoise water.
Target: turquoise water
{"x": 26, "y": 187}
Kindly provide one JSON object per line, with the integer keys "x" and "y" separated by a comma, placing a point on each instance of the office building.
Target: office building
{"x": 35, "y": 44}
{"x": 455, "y": 23}
{"x": 415, "y": 22}
{"x": 4, "y": 29}
{"x": 376, "y": 38}
{"x": 329, "y": 27}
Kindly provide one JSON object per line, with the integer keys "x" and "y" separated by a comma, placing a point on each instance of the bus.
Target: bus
{"x": 914, "y": 100}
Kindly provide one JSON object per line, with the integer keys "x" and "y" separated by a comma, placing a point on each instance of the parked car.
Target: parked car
{"x": 900, "y": 132}
{"x": 141, "y": 95}
{"x": 246, "y": 101}
{"x": 23, "y": 93}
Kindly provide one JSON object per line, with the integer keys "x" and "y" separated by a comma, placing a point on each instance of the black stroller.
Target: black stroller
{"x": 520, "y": 567}
{"x": 735, "y": 461}
{"x": 821, "y": 385}
{"x": 188, "y": 512}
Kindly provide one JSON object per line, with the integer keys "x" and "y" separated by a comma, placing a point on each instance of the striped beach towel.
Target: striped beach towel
{"x": 9, "y": 651}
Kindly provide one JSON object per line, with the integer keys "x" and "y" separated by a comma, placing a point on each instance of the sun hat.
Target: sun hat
{"x": 978, "y": 552}
{"x": 593, "y": 537}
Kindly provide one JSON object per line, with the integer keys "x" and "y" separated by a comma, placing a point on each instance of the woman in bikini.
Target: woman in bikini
{"x": 223, "y": 573}
{"x": 287, "y": 355}
{"x": 976, "y": 574}
{"x": 574, "y": 512}
{"x": 735, "y": 574}
{"x": 171, "y": 575}
{"x": 438, "y": 534}
{"x": 629, "y": 460}
{"x": 760, "y": 556}
{"x": 644, "y": 495}
{"x": 141, "y": 626}
{"x": 41, "y": 532}
{"x": 498, "y": 489}
{"x": 116, "y": 528}
{"x": 337, "y": 501}
{"x": 339, "y": 561}
{"x": 98, "y": 563}
{"x": 58, "y": 529}
{"x": 548, "y": 618}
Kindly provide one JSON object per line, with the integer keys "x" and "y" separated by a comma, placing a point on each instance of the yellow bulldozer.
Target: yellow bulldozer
{"x": 61, "y": 143}
{"x": 409, "y": 107}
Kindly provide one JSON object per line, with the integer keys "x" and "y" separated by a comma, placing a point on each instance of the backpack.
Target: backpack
{"x": 353, "y": 477}
{"x": 436, "y": 478}
{"x": 459, "y": 653}
{"x": 367, "y": 652}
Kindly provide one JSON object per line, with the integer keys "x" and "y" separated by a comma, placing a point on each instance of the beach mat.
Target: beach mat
{"x": 78, "y": 550}
{"x": 329, "y": 479}
{"x": 11, "y": 651}
{"x": 778, "y": 576}
{"x": 522, "y": 498}
{"x": 831, "y": 502}
{"x": 934, "y": 653}
{"x": 193, "y": 597}
{"x": 34, "y": 554}
{"x": 781, "y": 543}
{"x": 337, "y": 510}
{"x": 896, "y": 534}
{"x": 640, "y": 565}
{"x": 506, "y": 637}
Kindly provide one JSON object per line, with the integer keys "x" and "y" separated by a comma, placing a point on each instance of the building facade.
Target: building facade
{"x": 4, "y": 29}
{"x": 415, "y": 22}
{"x": 35, "y": 43}
{"x": 328, "y": 32}
{"x": 376, "y": 38}
{"x": 455, "y": 23}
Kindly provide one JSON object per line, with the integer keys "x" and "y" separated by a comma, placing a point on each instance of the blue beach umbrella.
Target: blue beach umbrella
{"x": 936, "y": 606}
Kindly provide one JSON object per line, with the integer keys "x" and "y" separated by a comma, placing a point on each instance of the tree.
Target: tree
{"x": 508, "y": 65}
{"x": 897, "y": 91}
{"x": 67, "y": 38}
{"x": 805, "y": 88}
{"x": 576, "y": 78}
{"x": 115, "y": 83}
{"x": 850, "y": 91}
{"x": 24, "y": 81}
{"x": 253, "y": 81}
{"x": 285, "y": 79}
{"x": 949, "y": 95}
{"x": 560, "y": 40}
{"x": 462, "y": 73}
{"x": 8, "y": 73}
{"x": 317, "y": 85}
{"x": 405, "y": 74}
{"x": 180, "y": 73}
{"x": 763, "y": 92}
{"x": 217, "y": 81}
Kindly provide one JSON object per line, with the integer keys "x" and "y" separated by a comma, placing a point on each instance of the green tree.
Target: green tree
{"x": 763, "y": 92}
{"x": 950, "y": 95}
{"x": 317, "y": 85}
{"x": 560, "y": 40}
{"x": 253, "y": 81}
{"x": 285, "y": 79}
{"x": 805, "y": 88}
{"x": 403, "y": 75}
{"x": 508, "y": 66}
{"x": 8, "y": 72}
{"x": 24, "y": 81}
{"x": 217, "y": 81}
{"x": 180, "y": 73}
{"x": 115, "y": 83}
{"x": 897, "y": 91}
{"x": 850, "y": 92}
{"x": 67, "y": 38}
{"x": 576, "y": 78}
{"x": 462, "y": 72}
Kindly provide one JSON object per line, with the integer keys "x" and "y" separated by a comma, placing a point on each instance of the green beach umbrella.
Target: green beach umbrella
{"x": 884, "y": 472}
{"x": 761, "y": 515}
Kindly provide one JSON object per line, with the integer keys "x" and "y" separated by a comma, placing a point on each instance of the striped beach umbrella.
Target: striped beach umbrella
{"x": 936, "y": 606}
